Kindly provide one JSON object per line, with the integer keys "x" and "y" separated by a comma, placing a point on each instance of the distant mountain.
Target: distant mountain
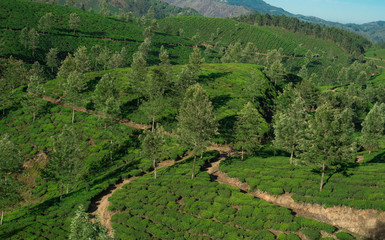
{"x": 258, "y": 6}
{"x": 233, "y": 8}
{"x": 212, "y": 8}
{"x": 137, "y": 7}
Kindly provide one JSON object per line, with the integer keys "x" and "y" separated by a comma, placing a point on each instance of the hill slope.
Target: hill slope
{"x": 138, "y": 8}
{"x": 211, "y": 8}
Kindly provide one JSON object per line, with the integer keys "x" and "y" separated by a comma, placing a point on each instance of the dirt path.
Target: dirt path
{"x": 369, "y": 223}
{"x": 83, "y": 109}
{"x": 100, "y": 205}
{"x": 377, "y": 59}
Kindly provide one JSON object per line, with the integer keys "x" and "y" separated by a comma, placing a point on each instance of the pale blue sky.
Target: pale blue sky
{"x": 343, "y": 11}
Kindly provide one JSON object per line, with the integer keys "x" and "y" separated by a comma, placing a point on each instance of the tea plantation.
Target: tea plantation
{"x": 361, "y": 186}
{"x": 176, "y": 207}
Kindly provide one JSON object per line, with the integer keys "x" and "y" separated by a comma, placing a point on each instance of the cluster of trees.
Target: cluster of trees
{"x": 30, "y": 38}
{"x": 320, "y": 128}
{"x": 351, "y": 42}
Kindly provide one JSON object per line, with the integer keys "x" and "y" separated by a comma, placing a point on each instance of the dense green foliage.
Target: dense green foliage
{"x": 363, "y": 189}
{"x": 351, "y": 42}
{"x": 53, "y": 151}
{"x": 181, "y": 208}
{"x": 93, "y": 29}
{"x": 137, "y": 8}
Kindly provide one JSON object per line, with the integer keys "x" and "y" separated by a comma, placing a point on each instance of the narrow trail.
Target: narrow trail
{"x": 83, "y": 109}
{"x": 368, "y": 222}
{"x": 100, "y": 204}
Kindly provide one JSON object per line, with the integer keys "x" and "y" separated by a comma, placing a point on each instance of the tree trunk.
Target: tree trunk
{"x": 154, "y": 163}
{"x": 2, "y": 215}
{"x": 33, "y": 117}
{"x": 73, "y": 113}
{"x": 193, "y": 169}
{"x": 322, "y": 176}
{"x": 67, "y": 188}
{"x": 242, "y": 154}
{"x": 292, "y": 153}
{"x": 153, "y": 124}
{"x": 201, "y": 155}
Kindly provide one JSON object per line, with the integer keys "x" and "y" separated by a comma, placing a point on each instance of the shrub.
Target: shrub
{"x": 282, "y": 236}
{"x": 311, "y": 234}
{"x": 344, "y": 236}
{"x": 292, "y": 236}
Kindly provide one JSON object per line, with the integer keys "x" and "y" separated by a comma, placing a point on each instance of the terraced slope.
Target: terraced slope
{"x": 93, "y": 29}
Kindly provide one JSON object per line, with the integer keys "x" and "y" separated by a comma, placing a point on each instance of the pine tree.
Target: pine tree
{"x": 373, "y": 127}
{"x": 46, "y": 22}
{"x": 250, "y": 128}
{"x": 33, "y": 102}
{"x": 83, "y": 228}
{"x": 153, "y": 90}
{"x": 190, "y": 73}
{"x": 289, "y": 126}
{"x": 106, "y": 101}
{"x": 144, "y": 48}
{"x": 116, "y": 61}
{"x": 275, "y": 72}
{"x": 67, "y": 66}
{"x": 36, "y": 69}
{"x": 15, "y": 73}
{"x": 82, "y": 60}
{"x": 104, "y": 8}
{"x": 255, "y": 87}
{"x": 329, "y": 139}
{"x": 10, "y": 164}
{"x": 153, "y": 146}
{"x": 249, "y": 53}
{"x": 72, "y": 86}
{"x": 138, "y": 73}
{"x": 74, "y": 21}
{"x": 65, "y": 159}
{"x": 104, "y": 57}
{"x": 6, "y": 94}
{"x": 51, "y": 59}
{"x": 24, "y": 37}
{"x": 150, "y": 13}
{"x": 196, "y": 121}
{"x": 33, "y": 40}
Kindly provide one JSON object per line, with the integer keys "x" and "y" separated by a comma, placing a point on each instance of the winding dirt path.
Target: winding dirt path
{"x": 83, "y": 109}
{"x": 100, "y": 206}
{"x": 368, "y": 222}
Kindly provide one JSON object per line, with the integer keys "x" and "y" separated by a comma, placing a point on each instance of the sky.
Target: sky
{"x": 343, "y": 11}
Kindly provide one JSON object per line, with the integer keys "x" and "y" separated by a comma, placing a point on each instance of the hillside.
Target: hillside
{"x": 175, "y": 128}
{"x": 258, "y": 6}
{"x": 211, "y": 8}
{"x": 93, "y": 30}
{"x": 138, "y": 8}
